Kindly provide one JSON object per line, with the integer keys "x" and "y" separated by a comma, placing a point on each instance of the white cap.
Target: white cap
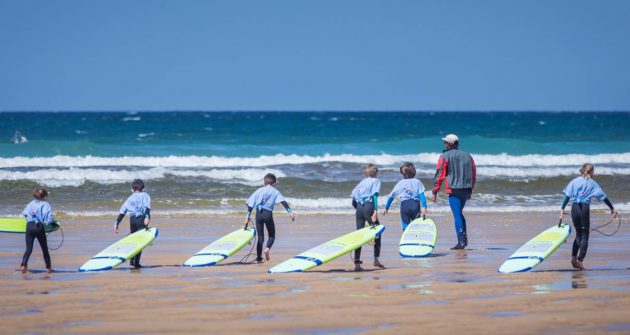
{"x": 451, "y": 138}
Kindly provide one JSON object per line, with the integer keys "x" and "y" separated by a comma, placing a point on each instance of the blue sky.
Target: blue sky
{"x": 314, "y": 55}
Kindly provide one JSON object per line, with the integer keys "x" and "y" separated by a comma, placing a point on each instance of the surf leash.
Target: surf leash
{"x": 62, "y": 238}
{"x": 597, "y": 229}
{"x": 245, "y": 258}
{"x": 418, "y": 216}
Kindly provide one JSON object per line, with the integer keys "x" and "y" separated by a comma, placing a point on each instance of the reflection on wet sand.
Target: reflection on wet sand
{"x": 332, "y": 299}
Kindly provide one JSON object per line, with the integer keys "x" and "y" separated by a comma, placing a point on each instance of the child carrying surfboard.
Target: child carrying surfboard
{"x": 138, "y": 205}
{"x": 411, "y": 193}
{"x": 264, "y": 200}
{"x": 365, "y": 201}
{"x": 38, "y": 214}
{"x": 580, "y": 191}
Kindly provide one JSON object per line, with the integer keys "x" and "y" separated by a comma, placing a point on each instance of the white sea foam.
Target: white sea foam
{"x": 498, "y": 160}
{"x": 78, "y": 176}
{"x": 480, "y": 203}
{"x": 534, "y": 172}
{"x": 342, "y": 207}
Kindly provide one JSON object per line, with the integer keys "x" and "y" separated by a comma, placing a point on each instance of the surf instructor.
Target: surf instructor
{"x": 457, "y": 168}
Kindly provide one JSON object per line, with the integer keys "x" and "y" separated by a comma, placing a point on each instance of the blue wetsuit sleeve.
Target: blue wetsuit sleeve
{"x": 147, "y": 213}
{"x": 249, "y": 211}
{"x": 375, "y": 200}
{"x": 423, "y": 199}
{"x": 565, "y": 201}
{"x": 389, "y": 202}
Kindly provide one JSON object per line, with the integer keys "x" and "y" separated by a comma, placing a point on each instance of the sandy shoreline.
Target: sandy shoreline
{"x": 453, "y": 291}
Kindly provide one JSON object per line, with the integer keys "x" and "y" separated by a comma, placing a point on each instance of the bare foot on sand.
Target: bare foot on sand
{"x": 574, "y": 263}
{"x": 267, "y": 257}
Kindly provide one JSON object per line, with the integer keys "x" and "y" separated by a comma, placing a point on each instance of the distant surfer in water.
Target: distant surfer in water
{"x": 411, "y": 193}
{"x": 365, "y": 201}
{"x": 138, "y": 205}
{"x": 580, "y": 191}
{"x": 457, "y": 168}
{"x": 18, "y": 138}
{"x": 38, "y": 213}
{"x": 263, "y": 200}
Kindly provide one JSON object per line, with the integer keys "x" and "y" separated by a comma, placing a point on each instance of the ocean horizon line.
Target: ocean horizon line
{"x": 312, "y": 111}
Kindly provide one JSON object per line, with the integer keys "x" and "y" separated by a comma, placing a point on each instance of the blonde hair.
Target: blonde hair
{"x": 370, "y": 170}
{"x": 587, "y": 170}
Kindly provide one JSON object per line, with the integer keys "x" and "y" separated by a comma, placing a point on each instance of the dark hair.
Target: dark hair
{"x": 452, "y": 145}
{"x": 408, "y": 170}
{"x": 40, "y": 193}
{"x": 270, "y": 179}
{"x": 137, "y": 185}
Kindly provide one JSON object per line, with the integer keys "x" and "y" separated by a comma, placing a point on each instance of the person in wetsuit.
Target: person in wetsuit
{"x": 138, "y": 205}
{"x": 411, "y": 193}
{"x": 457, "y": 169}
{"x": 580, "y": 191}
{"x": 38, "y": 214}
{"x": 365, "y": 201}
{"x": 264, "y": 200}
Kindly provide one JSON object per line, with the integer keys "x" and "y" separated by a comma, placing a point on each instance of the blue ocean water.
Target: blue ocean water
{"x": 208, "y": 162}
{"x": 250, "y": 134}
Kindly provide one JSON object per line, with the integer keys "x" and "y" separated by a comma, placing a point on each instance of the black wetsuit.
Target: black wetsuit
{"x": 264, "y": 218}
{"x": 581, "y": 216}
{"x": 35, "y": 230}
{"x": 135, "y": 223}
{"x": 364, "y": 213}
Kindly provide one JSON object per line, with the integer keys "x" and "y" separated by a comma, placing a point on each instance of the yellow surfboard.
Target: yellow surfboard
{"x": 536, "y": 250}
{"x": 222, "y": 248}
{"x": 120, "y": 251}
{"x": 330, "y": 250}
{"x": 18, "y": 225}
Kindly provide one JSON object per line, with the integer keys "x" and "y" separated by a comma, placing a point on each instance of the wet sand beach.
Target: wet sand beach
{"x": 449, "y": 292}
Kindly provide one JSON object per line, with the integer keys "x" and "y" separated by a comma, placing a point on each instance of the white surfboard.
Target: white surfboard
{"x": 330, "y": 250}
{"x": 222, "y": 248}
{"x": 536, "y": 250}
{"x": 120, "y": 251}
{"x": 418, "y": 240}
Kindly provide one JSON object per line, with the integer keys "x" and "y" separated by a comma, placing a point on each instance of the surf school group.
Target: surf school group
{"x": 455, "y": 169}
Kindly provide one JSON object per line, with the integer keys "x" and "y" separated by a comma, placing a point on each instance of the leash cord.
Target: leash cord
{"x": 597, "y": 229}
{"x": 245, "y": 258}
{"x": 60, "y": 243}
